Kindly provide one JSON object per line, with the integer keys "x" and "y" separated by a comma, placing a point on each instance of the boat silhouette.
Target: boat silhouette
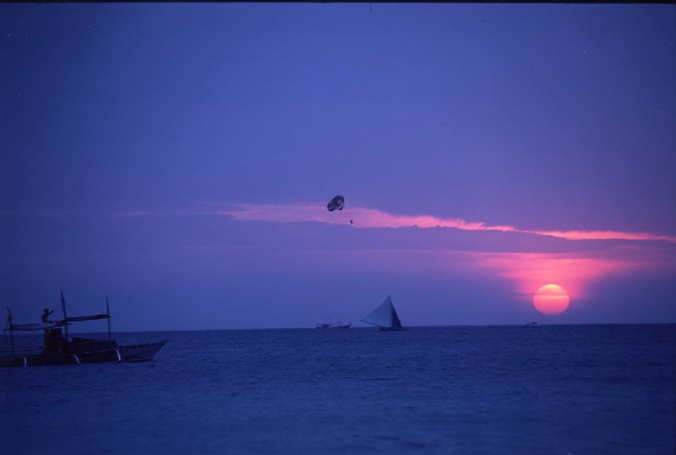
{"x": 61, "y": 349}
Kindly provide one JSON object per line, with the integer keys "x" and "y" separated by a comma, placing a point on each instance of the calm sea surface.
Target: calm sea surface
{"x": 595, "y": 389}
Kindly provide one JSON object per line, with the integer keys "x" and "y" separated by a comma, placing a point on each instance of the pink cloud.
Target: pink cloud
{"x": 373, "y": 218}
{"x": 604, "y": 235}
{"x": 360, "y": 218}
{"x": 526, "y": 271}
{"x": 529, "y": 271}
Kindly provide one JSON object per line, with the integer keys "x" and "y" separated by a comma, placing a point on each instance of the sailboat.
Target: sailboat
{"x": 384, "y": 316}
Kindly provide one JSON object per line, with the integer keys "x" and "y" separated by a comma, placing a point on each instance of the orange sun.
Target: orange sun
{"x": 551, "y": 299}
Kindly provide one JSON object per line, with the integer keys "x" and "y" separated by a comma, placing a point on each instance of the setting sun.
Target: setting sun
{"x": 551, "y": 299}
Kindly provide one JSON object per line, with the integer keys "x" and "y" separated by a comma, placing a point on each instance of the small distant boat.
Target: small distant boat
{"x": 63, "y": 350}
{"x": 333, "y": 326}
{"x": 342, "y": 326}
{"x": 384, "y": 317}
{"x": 531, "y": 324}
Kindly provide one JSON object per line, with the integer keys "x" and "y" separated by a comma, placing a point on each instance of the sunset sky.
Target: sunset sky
{"x": 178, "y": 159}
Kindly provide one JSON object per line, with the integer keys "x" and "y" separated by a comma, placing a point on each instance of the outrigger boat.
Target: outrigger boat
{"x": 61, "y": 349}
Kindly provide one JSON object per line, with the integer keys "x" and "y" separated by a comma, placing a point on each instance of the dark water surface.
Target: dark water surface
{"x": 594, "y": 389}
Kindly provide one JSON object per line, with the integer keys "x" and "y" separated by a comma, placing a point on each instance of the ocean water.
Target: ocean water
{"x": 589, "y": 389}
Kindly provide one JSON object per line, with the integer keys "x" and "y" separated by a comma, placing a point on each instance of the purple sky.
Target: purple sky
{"x": 178, "y": 158}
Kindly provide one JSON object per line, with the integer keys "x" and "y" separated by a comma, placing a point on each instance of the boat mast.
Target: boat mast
{"x": 108, "y": 313}
{"x": 65, "y": 316}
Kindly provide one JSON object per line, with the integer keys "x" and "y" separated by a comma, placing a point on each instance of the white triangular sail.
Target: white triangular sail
{"x": 384, "y": 315}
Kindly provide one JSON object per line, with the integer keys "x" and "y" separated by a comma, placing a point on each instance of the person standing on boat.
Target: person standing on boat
{"x": 53, "y": 339}
{"x": 45, "y": 315}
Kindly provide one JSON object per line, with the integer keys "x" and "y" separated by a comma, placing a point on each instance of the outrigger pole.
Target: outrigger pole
{"x": 108, "y": 313}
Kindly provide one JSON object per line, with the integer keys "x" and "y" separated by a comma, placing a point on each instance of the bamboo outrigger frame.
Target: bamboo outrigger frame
{"x": 75, "y": 350}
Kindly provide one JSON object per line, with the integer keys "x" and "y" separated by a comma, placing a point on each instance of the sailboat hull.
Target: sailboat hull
{"x": 390, "y": 329}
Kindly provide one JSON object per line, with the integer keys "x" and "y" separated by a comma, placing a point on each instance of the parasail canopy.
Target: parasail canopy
{"x": 337, "y": 203}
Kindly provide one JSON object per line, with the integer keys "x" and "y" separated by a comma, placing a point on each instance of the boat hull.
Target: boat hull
{"x": 331, "y": 326}
{"x": 390, "y": 329}
{"x": 111, "y": 353}
{"x": 140, "y": 352}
